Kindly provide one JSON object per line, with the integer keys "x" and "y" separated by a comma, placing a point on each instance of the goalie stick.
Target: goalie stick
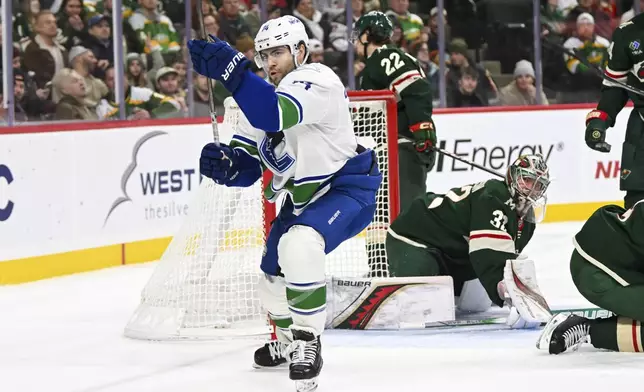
{"x": 591, "y": 313}
{"x": 473, "y": 164}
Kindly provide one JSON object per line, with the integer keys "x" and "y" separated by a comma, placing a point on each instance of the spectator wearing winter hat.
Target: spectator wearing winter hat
{"x": 521, "y": 91}
{"x": 19, "y": 95}
{"x": 584, "y": 82}
{"x": 83, "y": 61}
{"x": 100, "y": 42}
{"x": 135, "y": 70}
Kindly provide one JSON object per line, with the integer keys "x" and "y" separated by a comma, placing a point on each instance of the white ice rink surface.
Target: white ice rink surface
{"x": 65, "y": 334}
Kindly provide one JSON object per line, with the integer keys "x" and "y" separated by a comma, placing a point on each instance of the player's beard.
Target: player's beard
{"x": 280, "y": 74}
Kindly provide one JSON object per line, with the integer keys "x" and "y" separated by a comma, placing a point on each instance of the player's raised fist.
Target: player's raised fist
{"x": 218, "y": 60}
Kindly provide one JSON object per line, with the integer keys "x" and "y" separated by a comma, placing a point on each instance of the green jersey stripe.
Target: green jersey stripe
{"x": 289, "y": 112}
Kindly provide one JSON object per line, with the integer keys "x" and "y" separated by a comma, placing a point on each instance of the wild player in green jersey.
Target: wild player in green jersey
{"x": 607, "y": 266}
{"x": 470, "y": 232}
{"x": 389, "y": 68}
{"x": 625, "y": 64}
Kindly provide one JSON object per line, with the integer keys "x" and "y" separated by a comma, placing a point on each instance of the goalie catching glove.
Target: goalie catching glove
{"x": 425, "y": 140}
{"x": 519, "y": 290}
{"x": 597, "y": 122}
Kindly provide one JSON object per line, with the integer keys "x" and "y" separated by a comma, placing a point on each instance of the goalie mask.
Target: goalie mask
{"x": 287, "y": 31}
{"x": 528, "y": 178}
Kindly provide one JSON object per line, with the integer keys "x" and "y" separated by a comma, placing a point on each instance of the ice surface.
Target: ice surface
{"x": 65, "y": 334}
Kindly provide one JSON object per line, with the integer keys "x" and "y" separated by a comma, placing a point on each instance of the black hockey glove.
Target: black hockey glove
{"x": 597, "y": 122}
{"x": 424, "y": 141}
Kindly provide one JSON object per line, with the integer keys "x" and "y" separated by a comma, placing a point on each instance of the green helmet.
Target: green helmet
{"x": 377, "y": 23}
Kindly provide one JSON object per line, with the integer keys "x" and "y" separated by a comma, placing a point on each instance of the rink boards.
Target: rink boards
{"x": 88, "y": 196}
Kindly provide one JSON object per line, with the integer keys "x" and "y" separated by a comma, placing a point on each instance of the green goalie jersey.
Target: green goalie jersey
{"x": 389, "y": 68}
{"x": 625, "y": 64}
{"x": 475, "y": 226}
{"x": 612, "y": 240}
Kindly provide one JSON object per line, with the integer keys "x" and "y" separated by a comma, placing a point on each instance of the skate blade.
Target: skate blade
{"x": 543, "y": 343}
{"x": 277, "y": 368}
{"x": 306, "y": 385}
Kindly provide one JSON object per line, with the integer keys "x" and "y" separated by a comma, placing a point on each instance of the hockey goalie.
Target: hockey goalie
{"x": 475, "y": 234}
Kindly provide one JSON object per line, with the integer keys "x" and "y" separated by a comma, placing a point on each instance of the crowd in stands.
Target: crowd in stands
{"x": 63, "y": 52}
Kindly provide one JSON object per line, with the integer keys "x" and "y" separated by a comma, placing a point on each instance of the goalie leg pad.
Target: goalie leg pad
{"x": 301, "y": 257}
{"x": 473, "y": 297}
{"x": 272, "y": 293}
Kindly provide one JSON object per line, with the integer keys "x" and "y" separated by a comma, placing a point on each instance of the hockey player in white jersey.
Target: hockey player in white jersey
{"x": 299, "y": 127}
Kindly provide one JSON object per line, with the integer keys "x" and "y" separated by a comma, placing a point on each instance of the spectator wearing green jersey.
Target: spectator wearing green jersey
{"x": 155, "y": 28}
{"x": 412, "y": 24}
{"x": 141, "y": 103}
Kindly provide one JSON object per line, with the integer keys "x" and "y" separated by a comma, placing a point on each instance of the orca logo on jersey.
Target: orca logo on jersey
{"x": 277, "y": 164}
{"x": 232, "y": 64}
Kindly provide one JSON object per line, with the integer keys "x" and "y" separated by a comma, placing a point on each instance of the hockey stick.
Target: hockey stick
{"x": 231, "y": 207}
{"x": 476, "y": 165}
{"x": 211, "y": 89}
{"x": 573, "y": 53}
{"x": 590, "y": 313}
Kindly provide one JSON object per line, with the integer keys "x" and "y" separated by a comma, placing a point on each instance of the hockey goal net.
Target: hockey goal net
{"x": 205, "y": 285}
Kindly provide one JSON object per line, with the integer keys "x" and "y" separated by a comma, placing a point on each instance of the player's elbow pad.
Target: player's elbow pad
{"x": 247, "y": 171}
{"x": 258, "y": 100}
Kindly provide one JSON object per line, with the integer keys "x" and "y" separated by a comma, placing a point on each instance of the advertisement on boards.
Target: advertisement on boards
{"x": 495, "y": 140}
{"x": 73, "y": 190}
{"x": 63, "y": 191}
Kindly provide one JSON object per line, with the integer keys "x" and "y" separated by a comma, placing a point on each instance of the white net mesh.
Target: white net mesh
{"x": 205, "y": 285}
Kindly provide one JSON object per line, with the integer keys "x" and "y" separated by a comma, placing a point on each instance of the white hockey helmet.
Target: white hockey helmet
{"x": 283, "y": 31}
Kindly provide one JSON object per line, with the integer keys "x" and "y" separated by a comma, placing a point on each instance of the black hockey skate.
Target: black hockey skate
{"x": 563, "y": 332}
{"x": 306, "y": 360}
{"x": 273, "y": 355}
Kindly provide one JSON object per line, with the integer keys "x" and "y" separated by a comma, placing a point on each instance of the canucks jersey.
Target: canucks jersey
{"x": 611, "y": 239}
{"x": 625, "y": 64}
{"x": 476, "y": 224}
{"x": 389, "y": 68}
{"x": 316, "y": 137}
